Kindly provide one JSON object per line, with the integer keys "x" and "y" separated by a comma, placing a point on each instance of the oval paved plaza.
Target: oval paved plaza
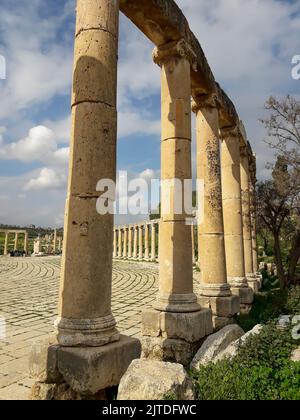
{"x": 28, "y": 308}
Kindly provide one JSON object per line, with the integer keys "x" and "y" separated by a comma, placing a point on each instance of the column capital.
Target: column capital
{"x": 205, "y": 101}
{"x": 180, "y": 49}
{"x": 229, "y": 132}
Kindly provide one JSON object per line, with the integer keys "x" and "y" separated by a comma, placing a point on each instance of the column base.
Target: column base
{"x": 215, "y": 290}
{"x": 177, "y": 303}
{"x": 79, "y": 372}
{"x": 174, "y": 337}
{"x": 223, "y": 309}
{"x": 86, "y": 332}
{"x": 246, "y": 296}
{"x": 252, "y": 282}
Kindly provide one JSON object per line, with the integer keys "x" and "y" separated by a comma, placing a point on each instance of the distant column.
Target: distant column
{"x": 125, "y": 245}
{"x": 146, "y": 242}
{"x": 55, "y": 241}
{"x": 120, "y": 246}
{"x": 115, "y": 251}
{"x": 6, "y": 243}
{"x": 135, "y": 245}
{"x": 141, "y": 251}
{"x": 16, "y": 241}
{"x": 153, "y": 242}
{"x": 26, "y": 242}
{"x": 130, "y": 242}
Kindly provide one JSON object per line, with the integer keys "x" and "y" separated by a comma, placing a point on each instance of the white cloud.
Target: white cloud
{"x": 48, "y": 179}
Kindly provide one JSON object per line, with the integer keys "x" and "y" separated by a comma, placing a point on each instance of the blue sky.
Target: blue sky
{"x": 249, "y": 45}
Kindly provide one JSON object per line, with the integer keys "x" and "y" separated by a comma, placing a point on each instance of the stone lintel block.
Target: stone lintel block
{"x": 43, "y": 362}
{"x": 245, "y": 293}
{"x": 89, "y": 370}
{"x": 225, "y": 307}
{"x": 190, "y": 327}
{"x": 169, "y": 350}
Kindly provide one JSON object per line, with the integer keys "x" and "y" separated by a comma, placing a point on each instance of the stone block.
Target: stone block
{"x": 169, "y": 350}
{"x": 246, "y": 294}
{"x": 88, "y": 370}
{"x": 191, "y": 327}
{"x": 215, "y": 344}
{"x": 43, "y": 365}
{"x": 143, "y": 381}
{"x": 225, "y": 307}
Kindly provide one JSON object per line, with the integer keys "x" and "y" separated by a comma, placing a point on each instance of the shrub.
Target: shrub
{"x": 261, "y": 371}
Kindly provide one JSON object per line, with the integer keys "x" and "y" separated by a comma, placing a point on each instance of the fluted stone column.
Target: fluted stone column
{"x": 141, "y": 250}
{"x": 178, "y": 322}
{"x": 233, "y": 220}
{"x": 130, "y": 242}
{"x": 247, "y": 229}
{"x": 6, "y": 243}
{"x": 153, "y": 242}
{"x": 146, "y": 256}
{"x": 88, "y": 340}
{"x": 215, "y": 290}
{"x": 115, "y": 248}
{"x": 16, "y": 241}
{"x": 125, "y": 246}
{"x": 135, "y": 244}
{"x": 26, "y": 242}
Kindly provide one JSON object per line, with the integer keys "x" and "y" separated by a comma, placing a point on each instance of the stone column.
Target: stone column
{"x": 26, "y": 242}
{"x": 59, "y": 244}
{"x": 135, "y": 244}
{"x": 146, "y": 242}
{"x": 125, "y": 246}
{"x": 141, "y": 250}
{"x": 120, "y": 243}
{"x": 178, "y": 322}
{"x": 130, "y": 242}
{"x": 247, "y": 229}
{"x": 215, "y": 290}
{"x": 153, "y": 242}
{"x": 233, "y": 220}
{"x": 55, "y": 241}
{"x": 91, "y": 355}
{"x": 16, "y": 241}
{"x": 115, "y": 248}
{"x": 253, "y": 213}
{"x": 6, "y": 243}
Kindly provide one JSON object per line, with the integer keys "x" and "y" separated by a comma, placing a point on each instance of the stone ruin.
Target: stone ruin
{"x": 88, "y": 354}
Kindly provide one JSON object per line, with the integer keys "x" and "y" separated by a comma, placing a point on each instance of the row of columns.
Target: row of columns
{"x": 138, "y": 242}
{"x": 16, "y": 241}
{"x": 179, "y": 321}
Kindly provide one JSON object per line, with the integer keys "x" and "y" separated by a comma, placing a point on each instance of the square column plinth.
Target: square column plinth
{"x": 223, "y": 309}
{"x": 79, "y": 372}
{"x": 174, "y": 337}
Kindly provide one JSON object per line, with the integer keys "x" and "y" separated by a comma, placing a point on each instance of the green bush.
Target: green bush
{"x": 261, "y": 371}
{"x": 292, "y": 306}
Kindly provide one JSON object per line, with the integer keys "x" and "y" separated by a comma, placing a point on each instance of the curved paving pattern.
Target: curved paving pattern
{"x": 28, "y": 304}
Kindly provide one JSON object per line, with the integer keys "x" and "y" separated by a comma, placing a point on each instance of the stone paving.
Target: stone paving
{"x": 28, "y": 308}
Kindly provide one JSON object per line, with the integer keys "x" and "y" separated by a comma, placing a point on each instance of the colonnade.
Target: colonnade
{"x": 16, "y": 236}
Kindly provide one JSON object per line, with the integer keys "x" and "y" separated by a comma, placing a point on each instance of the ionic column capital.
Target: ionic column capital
{"x": 205, "y": 102}
{"x": 180, "y": 49}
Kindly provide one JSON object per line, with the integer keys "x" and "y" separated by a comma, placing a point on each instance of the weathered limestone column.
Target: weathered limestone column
{"x": 125, "y": 246}
{"x": 130, "y": 242}
{"x": 91, "y": 355}
{"x": 247, "y": 229}
{"x": 16, "y": 241}
{"x": 59, "y": 244}
{"x": 120, "y": 243}
{"x": 135, "y": 244}
{"x": 233, "y": 220}
{"x": 115, "y": 248}
{"x": 153, "y": 242}
{"x": 253, "y": 213}
{"x": 215, "y": 290}
{"x": 175, "y": 328}
{"x": 55, "y": 241}
{"x": 26, "y": 242}
{"x": 141, "y": 250}
{"x": 146, "y": 238}
{"x": 6, "y": 243}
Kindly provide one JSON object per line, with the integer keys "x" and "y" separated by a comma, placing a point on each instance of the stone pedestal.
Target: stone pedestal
{"x": 174, "y": 337}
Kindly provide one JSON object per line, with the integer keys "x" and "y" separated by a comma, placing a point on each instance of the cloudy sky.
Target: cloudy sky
{"x": 249, "y": 45}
